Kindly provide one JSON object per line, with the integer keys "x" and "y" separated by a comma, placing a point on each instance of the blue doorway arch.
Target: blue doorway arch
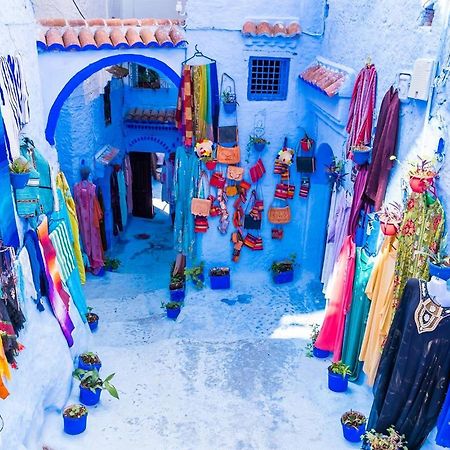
{"x": 89, "y": 70}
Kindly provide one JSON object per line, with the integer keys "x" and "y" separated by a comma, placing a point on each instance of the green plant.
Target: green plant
{"x": 229, "y": 97}
{"x": 194, "y": 274}
{"x": 112, "y": 263}
{"x": 90, "y": 316}
{"x": 391, "y": 441}
{"x": 19, "y": 166}
{"x": 75, "y": 411}
{"x": 391, "y": 213}
{"x": 258, "y": 140}
{"x": 90, "y": 358}
{"x": 314, "y": 334}
{"x": 440, "y": 258}
{"x": 420, "y": 167}
{"x": 285, "y": 265}
{"x": 339, "y": 368}
{"x": 219, "y": 271}
{"x": 90, "y": 379}
{"x": 353, "y": 419}
{"x": 170, "y": 305}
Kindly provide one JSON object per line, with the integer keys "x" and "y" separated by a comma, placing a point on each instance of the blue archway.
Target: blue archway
{"x": 89, "y": 70}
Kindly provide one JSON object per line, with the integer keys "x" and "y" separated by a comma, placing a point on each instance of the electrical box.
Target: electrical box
{"x": 421, "y": 79}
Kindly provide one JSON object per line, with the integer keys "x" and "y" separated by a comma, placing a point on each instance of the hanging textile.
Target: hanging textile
{"x": 14, "y": 101}
{"x": 357, "y": 316}
{"x": 412, "y": 379}
{"x": 115, "y": 204}
{"x": 70, "y": 206}
{"x": 379, "y": 290}
{"x": 420, "y": 231}
{"x": 102, "y": 220}
{"x": 384, "y": 145}
{"x": 337, "y": 229}
{"x": 25, "y": 285}
{"x": 58, "y": 297}
{"x": 362, "y": 104}
{"x": 339, "y": 293}
{"x": 4, "y": 371}
{"x": 89, "y": 215}
{"x": 122, "y": 197}
{"x": 357, "y": 202}
{"x": 184, "y": 113}
{"x": 185, "y": 182}
{"x": 129, "y": 182}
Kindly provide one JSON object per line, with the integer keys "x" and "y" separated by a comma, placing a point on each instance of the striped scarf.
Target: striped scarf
{"x": 184, "y": 113}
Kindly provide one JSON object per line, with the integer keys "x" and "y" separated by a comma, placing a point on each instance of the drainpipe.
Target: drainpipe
{"x": 326, "y": 8}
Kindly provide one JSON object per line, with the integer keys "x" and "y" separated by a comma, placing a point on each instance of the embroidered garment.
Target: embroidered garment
{"x": 71, "y": 209}
{"x": 129, "y": 181}
{"x": 379, "y": 290}
{"x": 58, "y": 297}
{"x": 339, "y": 293}
{"x": 420, "y": 231}
{"x": 412, "y": 379}
{"x": 184, "y": 113}
{"x": 122, "y": 197}
{"x": 89, "y": 214}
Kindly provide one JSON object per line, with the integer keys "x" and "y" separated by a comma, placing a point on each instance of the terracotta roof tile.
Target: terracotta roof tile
{"x": 268, "y": 29}
{"x": 324, "y": 78}
{"x": 293, "y": 29}
{"x": 92, "y": 34}
{"x": 150, "y": 115}
{"x": 249, "y": 27}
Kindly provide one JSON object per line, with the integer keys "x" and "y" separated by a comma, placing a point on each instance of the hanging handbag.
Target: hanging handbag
{"x": 277, "y": 233}
{"x": 279, "y": 168}
{"x": 217, "y": 180}
{"x": 284, "y": 191}
{"x": 201, "y": 206}
{"x": 306, "y": 143}
{"x": 250, "y": 240}
{"x": 258, "y": 244}
{"x": 279, "y": 215}
{"x": 215, "y": 211}
{"x": 305, "y": 186}
{"x": 257, "y": 171}
{"x": 200, "y": 224}
{"x": 231, "y": 190}
{"x": 228, "y": 155}
{"x": 306, "y": 164}
{"x": 235, "y": 173}
{"x": 228, "y": 136}
{"x": 253, "y": 221}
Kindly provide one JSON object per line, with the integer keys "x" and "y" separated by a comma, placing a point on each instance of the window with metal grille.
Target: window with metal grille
{"x": 268, "y": 78}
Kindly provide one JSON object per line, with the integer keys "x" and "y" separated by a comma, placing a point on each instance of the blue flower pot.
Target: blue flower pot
{"x": 82, "y": 365}
{"x": 352, "y": 434}
{"x": 361, "y": 158}
{"x": 19, "y": 180}
{"x": 229, "y": 108}
{"x": 93, "y": 325}
{"x": 75, "y": 426}
{"x": 259, "y": 146}
{"x": 283, "y": 277}
{"x": 89, "y": 398}
{"x": 318, "y": 353}
{"x": 220, "y": 282}
{"x": 173, "y": 313}
{"x": 177, "y": 295}
{"x": 337, "y": 383}
{"x": 442, "y": 272}
{"x": 100, "y": 273}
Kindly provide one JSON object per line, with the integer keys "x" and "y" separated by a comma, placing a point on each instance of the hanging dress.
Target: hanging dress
{"x": 357, "y": 316}
{"x": 339, "y": 295}
{"x": 413, "y": 376}
{"x": 421, "y": 231}
{"x": 115, "y": 203}
{"x": 89, "y": 214}
{"x": 379, "y": 291}
{"x": 129, "y": 182}
{"x": 122, "y": 197}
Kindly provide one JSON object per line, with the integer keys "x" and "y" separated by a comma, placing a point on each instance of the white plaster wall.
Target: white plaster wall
{"x": 67, "y": 9}
{"x": 144, "y": 8}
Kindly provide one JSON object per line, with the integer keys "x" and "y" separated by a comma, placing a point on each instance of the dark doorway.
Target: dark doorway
{"x": 141, "y": 167}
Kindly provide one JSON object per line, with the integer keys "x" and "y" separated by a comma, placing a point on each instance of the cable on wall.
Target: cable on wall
{"x": 78, "y": 9}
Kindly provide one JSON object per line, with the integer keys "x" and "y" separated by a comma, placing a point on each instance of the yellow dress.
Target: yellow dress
{"x": 4, "y": 371}
{"x": 379, "y": 290}
{"x": 62, "y": 184}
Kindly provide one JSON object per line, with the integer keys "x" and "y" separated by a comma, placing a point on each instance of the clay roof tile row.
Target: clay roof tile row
{"x": 99, "y": 34}
{"x": 323, "y": 78}
{"x": 264, "y": 28}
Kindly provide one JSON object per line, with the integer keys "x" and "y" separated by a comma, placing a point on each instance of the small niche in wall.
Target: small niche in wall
{"x": 427, "y": 14}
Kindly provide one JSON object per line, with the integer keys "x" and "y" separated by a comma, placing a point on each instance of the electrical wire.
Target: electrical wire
{"x": 78, "y": 9}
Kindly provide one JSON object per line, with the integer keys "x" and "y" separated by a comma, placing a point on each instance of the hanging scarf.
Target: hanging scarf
{"x": 362, "y": 104}
{"x": 184, "y": 113}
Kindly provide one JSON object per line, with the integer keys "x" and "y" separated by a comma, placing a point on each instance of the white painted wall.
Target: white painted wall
{"x": 67, "y": 9}
{"x": 143, "y": 8}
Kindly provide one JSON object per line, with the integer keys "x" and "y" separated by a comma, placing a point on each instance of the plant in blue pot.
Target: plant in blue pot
{"x": 338, "y": 373}
{"x": 91, "y": 386}
{"x": 229, "y": 101}
{"x": 361, "y": 154}
{"x": 438, "y": 262}
{"x": 89, "y": 361}
{"x": 92, "y": 319}
{"x": 390, "y": 441}
{"x": 75, "y": 419}
{"x": 219, "y": 278}
{"x": 311, "y": 349}
{"x": 283, "y": 271}
{"x": 173, "y": 309}
{"x": 353, "y": 425}
{"x": 19, "y": 172}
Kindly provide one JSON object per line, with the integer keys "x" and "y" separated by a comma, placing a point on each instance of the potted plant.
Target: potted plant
{"x": 338, "y": 373}
{"x": 75, "y": 419}
{"x": 196, "y": 274}
{"x": 361, "y": 154}
{"x": 306, "y": 143}
{"x": 19, "y": 172}
{"x": 283, "y": 271}
{"x": 336, "y": 171}
{"x": 92, "y": 319}
{"x": 390, "y": 216}
{"x": 172, "y": 309}
{"x": 219, "y": 278}
{"x": 421, "y": 175}
{"x": 438, "y": 262}
{"x": 353, "y": 425}
{"x": 91, "y": 386}
{"x": 210, "y": 162}
{"x": 229, "y": 101}
{"x": 89, "y": 361}
{"x": 112, "y": 264}
{"x": 390, "y": 441}
{"x": 177, "y": 287}
{"x": 259, "y": 143}
{"x": 311, "y": 349}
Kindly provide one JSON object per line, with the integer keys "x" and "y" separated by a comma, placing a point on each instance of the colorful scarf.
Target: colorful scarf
{"x": 184, "y": 115}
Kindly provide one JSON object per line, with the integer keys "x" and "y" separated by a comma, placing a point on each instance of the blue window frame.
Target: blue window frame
{"x": 267, "y": 78}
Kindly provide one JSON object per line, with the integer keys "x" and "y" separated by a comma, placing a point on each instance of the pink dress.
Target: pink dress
{"x": 339, "y": 293}
{"x": 89, "y": 214}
